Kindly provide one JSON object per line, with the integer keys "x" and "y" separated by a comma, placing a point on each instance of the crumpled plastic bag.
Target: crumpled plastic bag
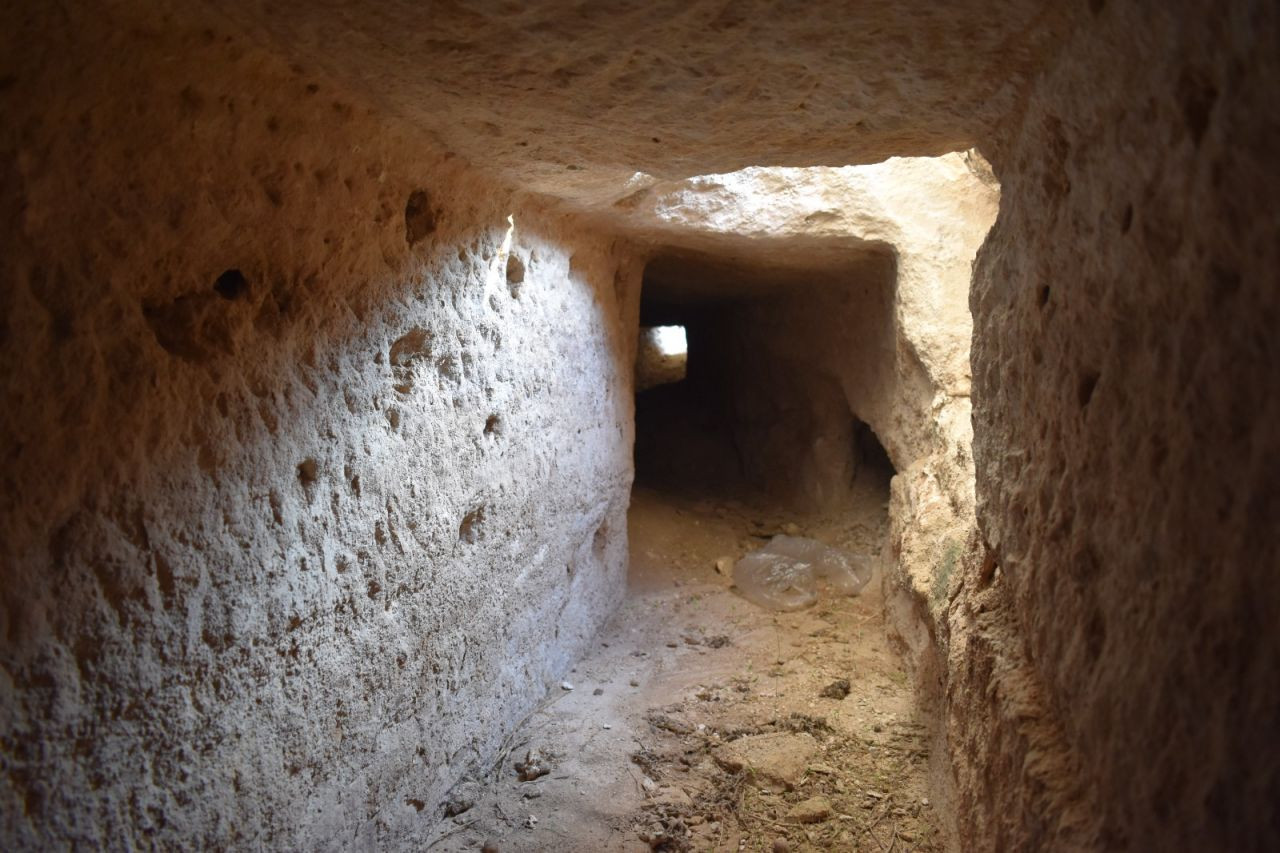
{"x": 784, "y": 574}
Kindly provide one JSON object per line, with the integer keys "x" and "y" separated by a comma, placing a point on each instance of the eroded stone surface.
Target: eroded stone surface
{"x": 304, "y": 501}
{"x": 574, "y": 99}
{"x": 1121, "y": 622}
{"x": 226, "y": 522}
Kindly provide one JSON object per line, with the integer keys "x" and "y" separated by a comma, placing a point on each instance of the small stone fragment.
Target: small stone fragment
{"x": 812, "y": 810}
{"x": 837, "y": 689}
{"x": 457, "y": 805}
{"x": 564, "y": 685}
{"x": 461, "y": 798}
{"x": 771, "y": 760}
{"x": 536, "y": 764}
{"x": 674, "y": 798}
{"x": 489, "y": 847}
{"x": 599, "y": 691}
{"x": 780, "y": 845}
{"x": 671, "y": 724}
{"x": 724, "y": 566}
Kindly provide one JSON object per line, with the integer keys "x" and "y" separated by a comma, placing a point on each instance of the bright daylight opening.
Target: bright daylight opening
{"x": 662, "y": 356}
{"x": 670, "y": 340}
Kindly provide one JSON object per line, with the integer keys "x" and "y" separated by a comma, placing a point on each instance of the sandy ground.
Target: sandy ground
{"x": 699, "y": 721}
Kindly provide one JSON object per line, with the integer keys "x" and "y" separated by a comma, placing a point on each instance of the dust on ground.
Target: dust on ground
{"x": 703, "y": 722}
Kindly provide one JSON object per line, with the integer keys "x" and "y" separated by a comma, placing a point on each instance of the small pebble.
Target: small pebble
{"x": 599, "y": 691}
{"x": 489, "y": 847}
{"x": 635, "y": 683}
{"x": 564, "y": 685}
{"x": 780, "y": 845}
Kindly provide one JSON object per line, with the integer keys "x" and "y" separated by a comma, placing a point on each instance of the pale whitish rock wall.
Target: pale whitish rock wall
{"x": 1114, "y": 644}
{"x": 282, "y": 556}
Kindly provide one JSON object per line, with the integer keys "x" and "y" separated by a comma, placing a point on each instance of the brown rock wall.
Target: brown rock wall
{"x": 1112, "y": 690}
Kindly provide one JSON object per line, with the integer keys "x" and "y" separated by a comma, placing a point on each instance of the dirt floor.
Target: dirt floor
{"x": 703, "y": 722}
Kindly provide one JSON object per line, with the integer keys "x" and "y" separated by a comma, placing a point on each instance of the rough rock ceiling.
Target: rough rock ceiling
{"x": 760, "y": 229}
{"x": 573, "y": 98}
{"x": 737, "y": 269}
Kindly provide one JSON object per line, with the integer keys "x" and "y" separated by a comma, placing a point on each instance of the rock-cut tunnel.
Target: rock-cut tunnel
{"x": 403, "y": 403}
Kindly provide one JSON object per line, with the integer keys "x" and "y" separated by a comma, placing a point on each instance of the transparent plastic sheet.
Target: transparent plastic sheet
{"x": 784, "y": 574}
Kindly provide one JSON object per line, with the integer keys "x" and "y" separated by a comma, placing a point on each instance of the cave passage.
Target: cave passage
{"x": 412, "y": 416}
{"x": 747, "y": 435}
{"x": 777, "y": 379}
{"x": 758, "y": 416}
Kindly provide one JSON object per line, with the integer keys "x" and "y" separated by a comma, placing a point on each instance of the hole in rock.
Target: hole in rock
{"x": 515, "y": 272}
{"x": 419, "y": 217}
{"x": 308, "y": 471}
{"x": 738, "y": 393}
{"x": 231, "y": 285}
{"x": 472, "y": 524}
{"x": 661, "y": 356}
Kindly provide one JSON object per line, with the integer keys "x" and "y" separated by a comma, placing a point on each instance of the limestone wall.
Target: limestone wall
{"x": 295, "y": 471}
{"x": 310, "y": 487}
{"x": 1114, "y": 642}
